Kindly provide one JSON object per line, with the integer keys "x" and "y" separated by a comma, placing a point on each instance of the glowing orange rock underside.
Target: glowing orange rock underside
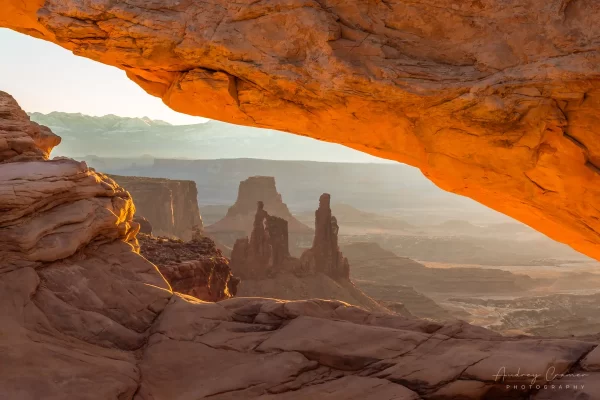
{"x": 492, "y": 99}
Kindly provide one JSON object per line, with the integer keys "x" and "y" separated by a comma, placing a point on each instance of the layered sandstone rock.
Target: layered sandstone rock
{"x": 75, "y": 297}
{"x": 86, "y": 317}
{"x": 21, "y": 139}
{"x": 51, "y": 209}
{"x": 325, "y": 255}
{"x": 266, "y": 253}
{"x": 267, "y": 269}
{"x": 493, "y": 99}
{"x": 240, "y": 219}
{"x": 171, "y": 206}
{"x": 196, "y": 268}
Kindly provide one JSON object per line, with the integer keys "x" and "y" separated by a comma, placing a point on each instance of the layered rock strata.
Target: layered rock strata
{"x": 240, "y": 218}
{"x": 86, "y": 317}
{"x": 325, "y": 255}
{"x": 266, "y": 253}
{"x": 267, "y": 269}
{"x": 171, "y": 206}
{"x": 196, "y": 268}
{"x": 492, "y": 99}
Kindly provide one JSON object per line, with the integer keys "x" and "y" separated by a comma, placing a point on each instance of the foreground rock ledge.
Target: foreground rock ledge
{"x": 492, "y": 99}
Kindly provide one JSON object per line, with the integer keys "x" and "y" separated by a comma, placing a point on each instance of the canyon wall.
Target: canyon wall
{"x": 171, "y": 206}
{"x": 492, "y": 99}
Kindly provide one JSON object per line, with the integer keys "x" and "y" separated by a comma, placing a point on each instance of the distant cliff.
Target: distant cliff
{"x": 171, "y": 206}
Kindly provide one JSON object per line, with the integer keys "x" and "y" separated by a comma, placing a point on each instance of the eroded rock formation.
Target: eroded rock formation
{"x": 85, "y": 317}
{"x": 493, "y": 99}
{"x": 240, "y": 220}
{"x": 325, "y": 255}
{"x": 170, "y": 205}
{"x": 266, "y": 253}
{"x": 196, "y": 268}
{"x": 241, "y": 216}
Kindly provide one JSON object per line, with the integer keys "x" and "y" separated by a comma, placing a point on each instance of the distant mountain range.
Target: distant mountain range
{"x": 113, "y": 136}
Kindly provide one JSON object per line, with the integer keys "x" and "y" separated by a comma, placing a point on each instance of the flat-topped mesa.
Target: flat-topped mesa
{"x": 325, "y": 255}
{"x": 240, "y": 216}
{"x": 266, "y": 252}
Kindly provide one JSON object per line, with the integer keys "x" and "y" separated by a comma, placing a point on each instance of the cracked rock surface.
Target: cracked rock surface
{"x": 83, "y": 316}
{"x": 497, "y": 100}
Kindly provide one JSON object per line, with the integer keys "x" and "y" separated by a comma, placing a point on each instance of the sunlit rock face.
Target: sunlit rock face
{"x": 51, "y": 209}
{"x": 325, "y": 255}
{"x": 493, "y": 99}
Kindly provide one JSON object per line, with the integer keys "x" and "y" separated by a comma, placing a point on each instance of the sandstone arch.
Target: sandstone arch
{"x": 497, "y": 100}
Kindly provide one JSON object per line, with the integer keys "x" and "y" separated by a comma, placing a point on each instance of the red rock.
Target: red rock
{"x": 171, "y": 206}
{"x": 196, "y": 268}
{"x": 325, "y": 255}
{"x": 492, "y": 100}
{"x": 240, "y": 217}
{"x": 84, "y": 316}
{"x": 21, "y": 139}
{"x": 266, "y": 253}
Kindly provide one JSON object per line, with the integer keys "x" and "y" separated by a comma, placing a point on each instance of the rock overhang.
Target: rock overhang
{"x": 492, "y": 100}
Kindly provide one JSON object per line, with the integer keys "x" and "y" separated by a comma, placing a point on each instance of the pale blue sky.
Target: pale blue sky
{"x": 44, "y": 77}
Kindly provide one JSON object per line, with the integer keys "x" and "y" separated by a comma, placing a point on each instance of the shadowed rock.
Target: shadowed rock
{"x": 266, "y": 253}
{"x": 196, "y": 268}
{"x": 170, "y": 205}
{"x": 145, "y": 225}
{"x": 325, "y": 255}
{"x": 241, "y": 218}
